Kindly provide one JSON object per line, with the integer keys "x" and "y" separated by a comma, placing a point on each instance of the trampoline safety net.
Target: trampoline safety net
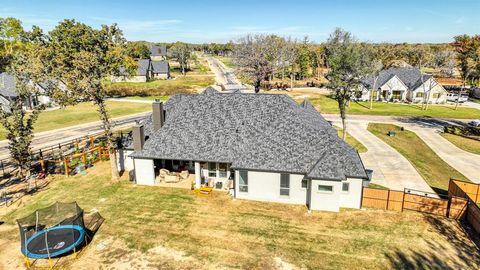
{"x": 52, "y": 231}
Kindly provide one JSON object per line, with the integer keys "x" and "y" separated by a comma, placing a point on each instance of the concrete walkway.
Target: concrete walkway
{"x": 390, "y": 168}
{"x": 465, "y": 162}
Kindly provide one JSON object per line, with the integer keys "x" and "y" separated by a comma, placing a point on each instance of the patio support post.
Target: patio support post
{"x": 197, "y": 174}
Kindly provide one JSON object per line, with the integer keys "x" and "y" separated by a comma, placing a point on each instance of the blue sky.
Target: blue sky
{"x": 220, "y": 21}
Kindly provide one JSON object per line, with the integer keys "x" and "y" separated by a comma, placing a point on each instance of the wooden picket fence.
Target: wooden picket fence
{"x": 68, "y": 163}
{"x": 412, "y": 200}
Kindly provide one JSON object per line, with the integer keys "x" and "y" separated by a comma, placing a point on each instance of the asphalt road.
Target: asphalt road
{"x": 58, "y": 136}
{"x": 224, "y": 76}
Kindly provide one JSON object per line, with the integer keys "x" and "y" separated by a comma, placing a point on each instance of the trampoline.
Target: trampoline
{"x": 52, "y": 231}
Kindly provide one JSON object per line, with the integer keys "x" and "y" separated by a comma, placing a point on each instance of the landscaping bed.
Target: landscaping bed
{"x": 154, "y": 227}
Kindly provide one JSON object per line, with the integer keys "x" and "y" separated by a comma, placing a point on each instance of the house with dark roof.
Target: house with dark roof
{"x": 8, "y": 93}
{"x": 142, "y": 74}
{"x": 263, "y": 147}
{"x": 158, "y": 53}
{"x": 402, "y": 84}
{"x": 160, "y": 69}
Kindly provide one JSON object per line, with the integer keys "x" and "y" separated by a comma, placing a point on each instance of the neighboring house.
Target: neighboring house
{"x": 158, "y": 53}
{"x": 142, "y": 74}
{"x": 160, "y": 70}
{"x": 402, "y": 85}
{"x": 270, "y": 147}
{"x": 8, "y": 93}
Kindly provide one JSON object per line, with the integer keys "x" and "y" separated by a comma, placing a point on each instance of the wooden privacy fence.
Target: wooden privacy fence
{"x": 468, "y": 192}
{"x": 464, "y": 189}
{"x": 412, "y": 200}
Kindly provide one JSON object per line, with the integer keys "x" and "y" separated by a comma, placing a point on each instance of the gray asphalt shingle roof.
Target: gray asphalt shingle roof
{"x": 411, "y": 77}
{"x": 158, "y": 50}
{"x": 160, "y": 67}
{"x": 264, "y": 132}
{"x": 144, "y": 65}
{"x": 7, "y": 85}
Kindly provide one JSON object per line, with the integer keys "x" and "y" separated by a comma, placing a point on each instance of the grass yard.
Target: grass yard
{"x": 181, "y": 84}
{"x": 227, "y": 61}
{"x": 352, "y": 141}
{"x": 171, "y": 228}
{"x": 161, "y": 98}
{"x": 82, "y": 113}
{"x": 431, "y": 167}
{"x": 328, "y": 105}
{"x": 476, "y": 100}
{"x": 469, "y": 145}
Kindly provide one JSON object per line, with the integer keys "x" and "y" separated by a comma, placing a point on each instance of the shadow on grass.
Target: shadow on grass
{"x": 461, "y": 253}
{"x": 427, "y": 121}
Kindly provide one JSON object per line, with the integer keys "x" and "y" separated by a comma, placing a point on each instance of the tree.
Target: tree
{"x": 373, "y": 68}
{"x": 28, "y": 70}
{"x": 182, "y": 53}
{"x": 347, "y": 60}
{"x": 468, "y": 57}
{"x": 137, "y": 49}
{"x": 82, "y": 57}
{"x": 255, "y": 57}
{"x": 444, "y": 59}
{"x": 11, "y": 39}
{"x": 419, "y": 56}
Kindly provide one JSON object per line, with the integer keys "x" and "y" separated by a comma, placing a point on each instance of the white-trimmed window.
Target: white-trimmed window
{"x": 325, "y": 188}
{"x": 345, "y": 186}
{"x": 222, "y": 170}
{"x": 304, "y": 183}
{"x": 419, "y": 94}
{"x": 243, "y": 181}
{"x": 285, "y": 184}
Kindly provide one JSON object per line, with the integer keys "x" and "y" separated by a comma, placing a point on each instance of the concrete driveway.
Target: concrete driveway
{"x": 466, "y": 163}
{"x": 390, "y": 168}
{"x": 224, "y": 76}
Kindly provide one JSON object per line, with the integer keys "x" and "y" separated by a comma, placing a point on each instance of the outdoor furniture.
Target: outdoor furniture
{"x": 183, "y": 175}
{"x": 203, "y": 191}
{"x": 172, "y": 179}
{"x": 163, "y": 173}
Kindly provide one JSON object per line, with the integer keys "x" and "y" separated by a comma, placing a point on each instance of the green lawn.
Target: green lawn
{"x": 181, "y": 84}
{"x": 431, "y": 167}
{"x": 227, "y": 61}
{"x": 82, "y": 113}
{"x": 217, "y": 232}
{"x": 469, "y": 145}
{"x": 328, "y": 105}
{"x": 352, "y": 141}
{"x": 476, "y": 100}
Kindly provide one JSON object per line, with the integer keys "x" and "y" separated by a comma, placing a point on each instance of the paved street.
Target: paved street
{"x": 224, "y": 76}
{"x": 58, "y": 136}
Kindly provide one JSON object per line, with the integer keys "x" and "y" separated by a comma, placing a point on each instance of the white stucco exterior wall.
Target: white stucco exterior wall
{"x": 327, "y": 201}
{"x": 352, "y": 198}
{"x": 144, "y": 172}
{"x": 124, "y": 162}
{"x": 265, "y": 186}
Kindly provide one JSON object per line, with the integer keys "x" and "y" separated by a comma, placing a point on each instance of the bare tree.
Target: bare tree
{"x": 255, "y": 57}
{"x": 182, "y": 53}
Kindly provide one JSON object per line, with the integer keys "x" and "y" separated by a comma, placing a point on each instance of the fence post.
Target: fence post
{"x": 3, "y": 168}
{"x": 91, "y": 141}
{"x": 84, "y": 158}
{"x": 65, "y": 163}
{"x": 476, "y": 196}
{"x": 403, "y": 199}
{"x": 388, "y": 199}
{"x": 42, "y": 165}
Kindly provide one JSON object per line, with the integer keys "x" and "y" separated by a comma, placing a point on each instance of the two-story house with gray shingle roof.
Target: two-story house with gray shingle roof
{"x": 403, "y": 85}
{"x": 273, "y": 149}
{"x": 8, "y": 93}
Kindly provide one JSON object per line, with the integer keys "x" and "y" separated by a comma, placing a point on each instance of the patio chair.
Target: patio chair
{"x": 183, "y": 175}
{"x": 172, "y": 179}
{"x": 163, "y": 173}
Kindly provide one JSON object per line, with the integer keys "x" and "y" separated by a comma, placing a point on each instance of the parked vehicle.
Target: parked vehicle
{"x": 474, "y": 123}
{"x": 453, "y": 97}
